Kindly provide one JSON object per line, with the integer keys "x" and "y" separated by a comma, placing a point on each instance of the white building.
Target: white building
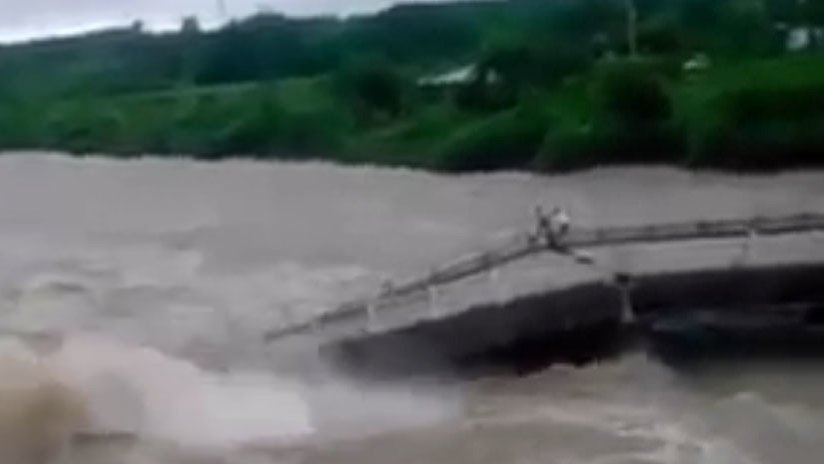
{"x": 457, "y": 76}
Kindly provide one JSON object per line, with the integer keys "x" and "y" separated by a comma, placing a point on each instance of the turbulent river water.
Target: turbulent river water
{"x": 151, "y": 284}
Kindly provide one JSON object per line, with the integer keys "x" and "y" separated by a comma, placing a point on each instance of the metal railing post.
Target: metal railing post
{"x": 434, "y": 308}
{"x": 495, "y": 283}
{"x": 624, "y": 283}
{"x": 371, "y": 317}
{"x": 747, "y": 245}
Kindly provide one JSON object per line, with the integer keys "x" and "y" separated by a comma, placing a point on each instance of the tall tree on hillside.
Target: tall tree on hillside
{"x": 748, "y": 27}
{"x": 632, "y": 27}
{"x": 812, "y": 18}
{"x": 727, "y": 27}
{"x": 376, "y": 89}
{"x": 796, "y": 12}
{"x": 190, "y": 26}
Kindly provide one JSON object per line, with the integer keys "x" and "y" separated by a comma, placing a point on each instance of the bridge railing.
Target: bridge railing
{"x": 393, "y": 294}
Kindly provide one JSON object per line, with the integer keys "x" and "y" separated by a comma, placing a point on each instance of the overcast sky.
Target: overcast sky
{"x": 21, "y": 19}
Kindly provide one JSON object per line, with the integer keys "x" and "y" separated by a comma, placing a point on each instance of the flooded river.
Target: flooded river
{"x": 146, "y": 286}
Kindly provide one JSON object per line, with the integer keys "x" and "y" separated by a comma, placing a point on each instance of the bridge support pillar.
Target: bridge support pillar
{"x": 624, "y": 283}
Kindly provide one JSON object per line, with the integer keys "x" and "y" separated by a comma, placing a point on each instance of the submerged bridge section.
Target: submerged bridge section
{"x": 522, "y": 291}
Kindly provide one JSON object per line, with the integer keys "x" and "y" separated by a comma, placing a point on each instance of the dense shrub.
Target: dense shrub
{"x": 375, "y": 89}
{"x": 632, "y": 123}
{"x": 631, "y": 96}
{"x": 555, "y": 63}
{"x": 84, "y": 126}
{"x": 661, "y": 37}
{"x": 312, "y": 133}
{"x": 574, "y": 148}
{"x": 479, "y": 96}
{"x": 267, "y": 130}
{"x": 766, "y": 125}
{"x": 252, "y": 133}
{"x": 507, "y": 140}
{"x": 197, "y": 124}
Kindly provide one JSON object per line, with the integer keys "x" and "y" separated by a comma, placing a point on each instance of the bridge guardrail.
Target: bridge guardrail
{"x": 577, "y": 238}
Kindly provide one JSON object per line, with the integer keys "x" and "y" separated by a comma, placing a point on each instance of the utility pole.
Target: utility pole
{"x": 632, "y": 27}
{"x": 222, "y": 11}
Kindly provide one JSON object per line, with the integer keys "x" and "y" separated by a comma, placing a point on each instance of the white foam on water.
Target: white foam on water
{"x": 181, "y": 413}
{"x": 143, "y": 391}
{"x": 344, "y": 409}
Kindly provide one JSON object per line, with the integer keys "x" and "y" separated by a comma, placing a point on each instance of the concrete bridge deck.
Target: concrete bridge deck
{"x": 526, "y": 292}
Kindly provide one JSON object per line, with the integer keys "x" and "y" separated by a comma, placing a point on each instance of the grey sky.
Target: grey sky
{"x": 33, "y": 18}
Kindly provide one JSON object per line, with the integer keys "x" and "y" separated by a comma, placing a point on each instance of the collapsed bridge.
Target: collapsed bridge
{"x": 530, "y": 294}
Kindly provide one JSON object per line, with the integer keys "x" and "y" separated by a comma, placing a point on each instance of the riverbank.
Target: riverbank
{"x": 646, "y": 111}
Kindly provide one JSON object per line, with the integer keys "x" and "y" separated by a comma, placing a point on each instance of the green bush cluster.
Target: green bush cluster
{"x": 646, "y": 112}
{"x": 209, "y": 126}
{"x": 766, "y": 125}
{"x": 632, "y": 122}
{"x": 506, "y": 140}
{"x": 762, "y": 117}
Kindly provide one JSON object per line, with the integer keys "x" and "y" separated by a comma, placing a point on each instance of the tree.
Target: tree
{"x": 813, "y": 11}
{"x": 375, "y": 87}
{"x": 513, "y": 67}
{"x": 729, "y": 27}
{"x": 137, "y": 27}
{"x": 796, "y": 12}
{"x": 747, "y": 26}
{"x": 632, "y": 27}
{"x": 582, "y": 20}
{"x": 630, "y": 97}
{"x": 190, "y": 26}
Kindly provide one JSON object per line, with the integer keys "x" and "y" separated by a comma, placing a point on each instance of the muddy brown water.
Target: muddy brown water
{"x": 155, "y": 280}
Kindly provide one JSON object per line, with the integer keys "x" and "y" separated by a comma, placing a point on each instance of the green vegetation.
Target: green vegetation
{"x": 517, "y": 84}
